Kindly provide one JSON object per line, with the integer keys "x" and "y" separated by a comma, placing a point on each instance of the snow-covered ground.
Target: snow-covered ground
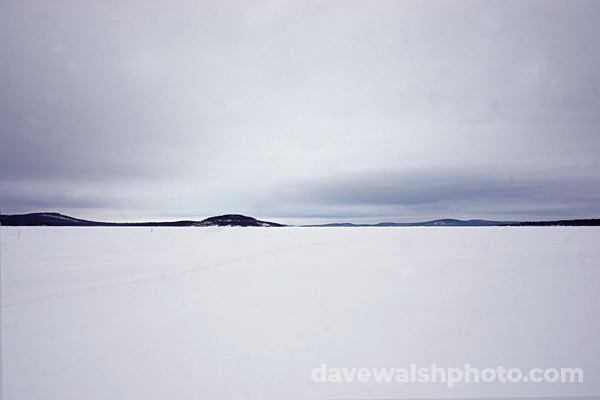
{"x": 248, "y": 313}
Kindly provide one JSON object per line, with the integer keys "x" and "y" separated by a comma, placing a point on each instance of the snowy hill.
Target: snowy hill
{"x": 56, "y": 219}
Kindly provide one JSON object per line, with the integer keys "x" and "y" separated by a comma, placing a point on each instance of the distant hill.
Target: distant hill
{"x": 471, "y": 222}
{"x": 50, "y": 219}
{"x": 437, "y": 222}
{"x": 234, "y": 220}
{"x": 56, "y": 219}
{"x": 451, "y": 222}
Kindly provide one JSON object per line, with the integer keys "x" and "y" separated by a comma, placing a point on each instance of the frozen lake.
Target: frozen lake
{"x": 248, "y": 313}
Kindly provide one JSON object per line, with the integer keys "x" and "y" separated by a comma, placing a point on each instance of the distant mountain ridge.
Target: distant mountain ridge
{"x": 57, "y": 219}
{"x": 471, "y": 222}
{"x": 437, "y": 222}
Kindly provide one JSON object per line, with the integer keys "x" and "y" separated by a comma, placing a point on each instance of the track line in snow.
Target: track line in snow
{"x": 19, "y": 300}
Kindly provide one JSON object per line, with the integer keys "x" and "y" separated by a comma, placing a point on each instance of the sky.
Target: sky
{"x": 301, "y": 111}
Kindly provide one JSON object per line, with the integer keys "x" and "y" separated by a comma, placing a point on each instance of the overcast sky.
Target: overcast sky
{"x": 300, "y": 111}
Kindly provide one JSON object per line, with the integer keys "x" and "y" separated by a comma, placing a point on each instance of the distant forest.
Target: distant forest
{"x": 563, "y": 222}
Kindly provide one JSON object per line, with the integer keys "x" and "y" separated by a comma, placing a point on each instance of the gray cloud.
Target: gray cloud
{"x": 129, "y": 110}
{"x": 455, "y": 191}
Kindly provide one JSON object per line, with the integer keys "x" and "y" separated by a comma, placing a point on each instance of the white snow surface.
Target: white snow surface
{"x": 248, "y": 313}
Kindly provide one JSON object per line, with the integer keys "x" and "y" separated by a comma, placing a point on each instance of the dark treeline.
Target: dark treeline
{"x": 563, "y": 222}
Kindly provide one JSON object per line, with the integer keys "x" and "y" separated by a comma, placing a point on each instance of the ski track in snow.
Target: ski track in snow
{"x": 13, "y": 301}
